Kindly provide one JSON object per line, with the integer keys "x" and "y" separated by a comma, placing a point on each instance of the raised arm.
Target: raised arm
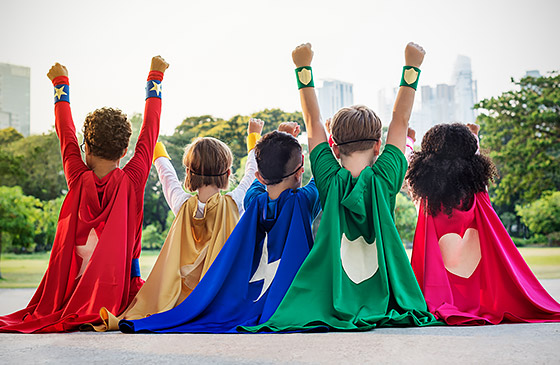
{"x": 64, "y": 125}
{"x": 254, "y": 130}
{"x": 170, "y": 183}
{"x": 396, "y": 135}
{"x": 302, "y": 57}
{"x": 139, "y": 165}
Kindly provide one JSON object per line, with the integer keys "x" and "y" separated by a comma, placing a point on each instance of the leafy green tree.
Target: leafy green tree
{"x": 521, "y": 128}
{"x": 35, "y": 164}
{"x": 18, "y": 214}
{"x": 405, "y": 217}
{"x": 542, "y": 216}
{"x": 9, "y": 135}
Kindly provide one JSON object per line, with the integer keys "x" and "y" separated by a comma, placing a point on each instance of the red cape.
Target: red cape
{"x": 502, "y": 288}
{"x": 65, "y": 299}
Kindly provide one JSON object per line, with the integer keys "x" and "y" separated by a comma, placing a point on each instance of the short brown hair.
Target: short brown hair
{"x": 354, "y": 124}
{"x": 207, "y": 161}
{"x": 107, "y": 133}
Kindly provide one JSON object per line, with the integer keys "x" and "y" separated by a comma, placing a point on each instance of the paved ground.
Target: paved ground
{"x": 514, "y": 343}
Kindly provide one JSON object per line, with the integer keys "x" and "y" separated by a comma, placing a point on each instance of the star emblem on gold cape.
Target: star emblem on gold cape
{"x": 59, "y": 91}
{"x": 86, "y": 251}
{"x": 156, "y": 88}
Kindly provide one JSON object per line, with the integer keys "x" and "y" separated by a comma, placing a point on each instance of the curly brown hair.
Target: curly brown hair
{"x": 207, "y": 161}
{"x": 107, "y": 133}
{"x": 447, "y": 172}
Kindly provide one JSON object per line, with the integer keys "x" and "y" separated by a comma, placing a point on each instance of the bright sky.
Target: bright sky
{"x": 234, "y": 57}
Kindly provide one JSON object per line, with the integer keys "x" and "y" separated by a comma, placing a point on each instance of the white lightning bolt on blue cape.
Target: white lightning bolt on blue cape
{"x": 250, "y": 276}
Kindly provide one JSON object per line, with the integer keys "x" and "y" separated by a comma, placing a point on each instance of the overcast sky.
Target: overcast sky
{"x": 234, "y": 57}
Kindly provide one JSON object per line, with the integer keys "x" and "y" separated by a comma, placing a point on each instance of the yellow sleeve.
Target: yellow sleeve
{"x": 252, "y": 141}
{"x": 160, "y": 151}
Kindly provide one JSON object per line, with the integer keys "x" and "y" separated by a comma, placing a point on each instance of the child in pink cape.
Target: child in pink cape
{"x": 467, "y": 266}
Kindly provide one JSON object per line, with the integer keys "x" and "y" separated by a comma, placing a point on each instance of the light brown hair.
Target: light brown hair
{"x": 107, "y": 133}
{"x": 207, "y": 161}
{"x": 353, "y": 124}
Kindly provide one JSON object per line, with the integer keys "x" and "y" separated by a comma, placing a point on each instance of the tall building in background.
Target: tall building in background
{"x": 465, "y": 90}
{"x": 14, "y": 97}
{"x": 333, "y": 95}
{"x": 443, "y": 103}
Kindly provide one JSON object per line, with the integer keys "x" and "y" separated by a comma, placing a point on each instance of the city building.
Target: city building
{"x": 15, "y": 97}
{"x": 443, "y": 103}
{"x": 333, "y": 95}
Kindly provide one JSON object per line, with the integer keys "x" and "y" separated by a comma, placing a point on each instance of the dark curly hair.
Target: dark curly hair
{"x": 107, "y": 133}
{"x": 447, "y": 172}
{"x": 277, "y": 154}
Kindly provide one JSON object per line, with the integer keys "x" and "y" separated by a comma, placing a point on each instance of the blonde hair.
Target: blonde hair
{"x": 207, "y": 161}
{"x": 355, "y": 123}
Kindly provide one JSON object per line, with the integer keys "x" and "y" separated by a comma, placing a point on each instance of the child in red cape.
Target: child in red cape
{"x": 94, "y": 259}
{"x": 465, "y": 261}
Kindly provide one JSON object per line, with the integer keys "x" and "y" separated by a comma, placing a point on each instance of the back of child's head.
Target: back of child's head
{"x": 208, "y": 162}
{"x": 107, "y": 133}
{"x": 355, "y": 128}
{"x": 447, "y": 172}
{"x": 278, "y": 156}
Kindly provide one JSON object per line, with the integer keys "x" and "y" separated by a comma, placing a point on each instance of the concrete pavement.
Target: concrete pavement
{"x": 512, "y": 343}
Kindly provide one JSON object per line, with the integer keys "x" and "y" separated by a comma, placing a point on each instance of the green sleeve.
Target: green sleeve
{"x": 324, "y": 167}
{"x": 391, "y": 166}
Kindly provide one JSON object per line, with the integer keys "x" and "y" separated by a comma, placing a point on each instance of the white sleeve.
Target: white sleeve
{"x": 172, "y": 187}
{"x": 238, "y": 194}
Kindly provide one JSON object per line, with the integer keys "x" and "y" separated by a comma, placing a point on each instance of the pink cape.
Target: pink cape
{"x": 501, "y": 289}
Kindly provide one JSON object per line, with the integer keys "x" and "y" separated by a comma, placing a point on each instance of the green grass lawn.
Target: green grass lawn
{"x": 26, "y": 271}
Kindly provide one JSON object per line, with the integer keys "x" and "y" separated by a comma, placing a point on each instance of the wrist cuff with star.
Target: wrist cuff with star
{"x": 61, "y": 89}
{"x": 153, "y": 86}
{"x": 410, "y": 76}
{"x": 304, "y": 77}
{"x": 252, "y": 141}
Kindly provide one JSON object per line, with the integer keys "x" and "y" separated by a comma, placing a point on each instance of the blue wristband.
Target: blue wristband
{"x": 153, "y": 89}
{"x": 135, "y": 268}
{"x": 62, "y": 93}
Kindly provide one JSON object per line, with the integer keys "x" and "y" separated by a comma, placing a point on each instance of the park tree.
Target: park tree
{"x": 35, "y": 164}
{"x": 521, "y": 129}
{"x": 542, "y": 216}
{"x": 18, "y": 213}
{"x": 9, "y": 135}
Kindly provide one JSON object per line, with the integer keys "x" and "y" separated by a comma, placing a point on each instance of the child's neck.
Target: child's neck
{"x": 101, "y": 167}
{"x": 357, "y": 161}
{"x": 205, "y": 192}
{"x": 274, "y": 191}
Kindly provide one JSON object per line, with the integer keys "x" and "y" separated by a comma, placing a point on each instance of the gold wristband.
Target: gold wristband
{"x": 252, "y": 141}
{"x": 160, "y": 151}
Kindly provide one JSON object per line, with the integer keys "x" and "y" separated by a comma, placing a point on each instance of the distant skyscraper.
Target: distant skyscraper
{"x": 464, "y": 90}
{"x": 333, "y": 95}
{"x": 14, "y": 97}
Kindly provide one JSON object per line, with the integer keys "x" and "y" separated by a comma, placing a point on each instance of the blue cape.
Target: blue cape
{"x": 249, "y": 277}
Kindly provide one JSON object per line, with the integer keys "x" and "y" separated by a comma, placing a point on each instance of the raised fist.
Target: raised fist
{"x": 255, "y": 126}
{"x": 57, "y": 70}
{"x": 158, "y": 64}
{"x": 474, "y": 128}
{"x": 411, "y": 133}
{"x": 413, "y": 55}
{"x": 302, "y": 55}
{"x": 290, "y": 128}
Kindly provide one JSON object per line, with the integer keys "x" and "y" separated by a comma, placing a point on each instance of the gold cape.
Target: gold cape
{"x": 191, "y": 246}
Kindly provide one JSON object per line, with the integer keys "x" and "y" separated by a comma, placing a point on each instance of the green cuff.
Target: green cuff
{"x": 410, "y": 76}
{"x": 304, "y": 77}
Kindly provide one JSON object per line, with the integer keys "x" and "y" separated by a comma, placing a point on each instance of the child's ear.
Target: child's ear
{"x": 336, "y": 151}
{"x": 260, "y": 178}
{"x": 229, "y": 172}
{"x": 377, "y": 148}
{"x": 124, "y": 154}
